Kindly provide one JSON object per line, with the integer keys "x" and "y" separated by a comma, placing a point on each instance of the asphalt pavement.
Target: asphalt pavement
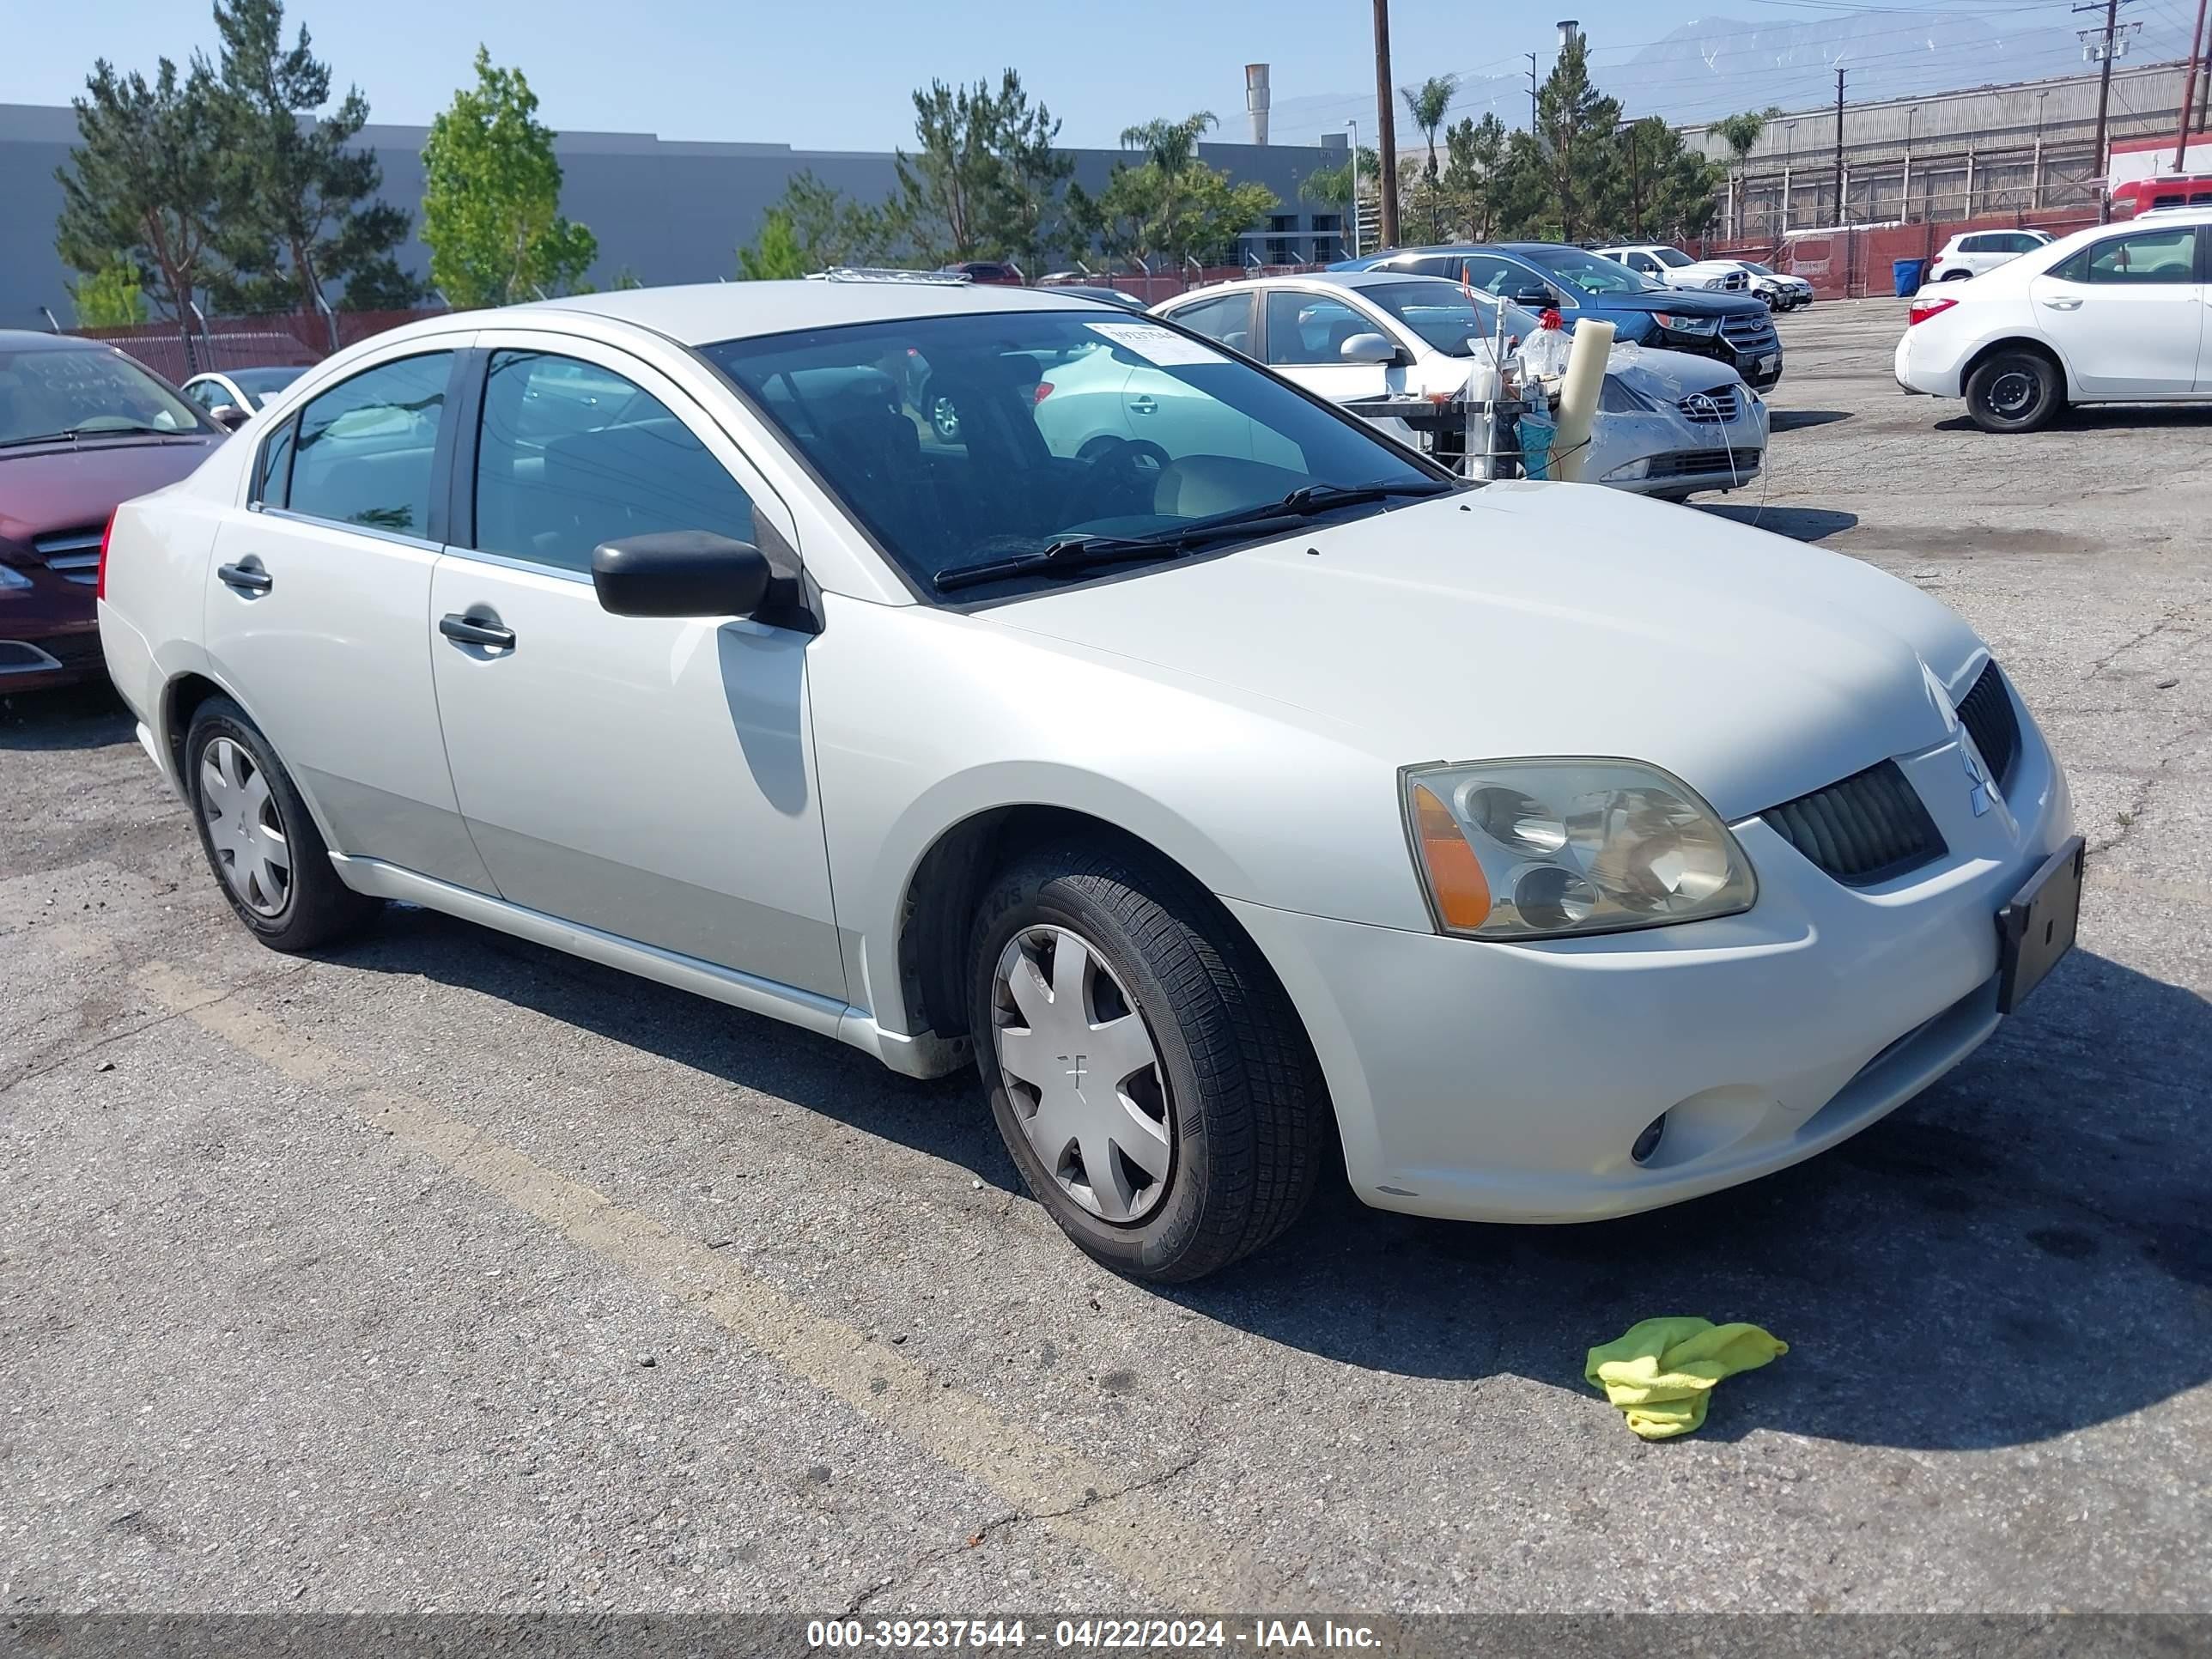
{"x": 443, "y": 1272}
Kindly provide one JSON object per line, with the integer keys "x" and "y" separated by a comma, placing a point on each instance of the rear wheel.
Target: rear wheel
{"x": 1147, "y": 1074}
{"x": 2015, "y": 391}
{"x": 264, "y": 847}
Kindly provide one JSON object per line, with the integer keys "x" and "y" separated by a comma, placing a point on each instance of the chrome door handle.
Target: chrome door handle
{"x": 466, "y": 631}
{"x": 1143, "y": 404}
{"x": 245, "y": 578}
{"x": 2063, "y": 302}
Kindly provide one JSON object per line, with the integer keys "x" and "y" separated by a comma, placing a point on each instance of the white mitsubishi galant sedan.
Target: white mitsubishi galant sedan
{"x": 1557, "y": 855}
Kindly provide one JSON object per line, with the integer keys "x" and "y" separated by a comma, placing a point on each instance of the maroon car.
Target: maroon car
{"x": 81, "y": 427}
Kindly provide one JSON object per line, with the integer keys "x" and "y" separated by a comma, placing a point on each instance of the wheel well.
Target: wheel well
{"x": 184, "y": 695}
{"x": 2034, "y": 348}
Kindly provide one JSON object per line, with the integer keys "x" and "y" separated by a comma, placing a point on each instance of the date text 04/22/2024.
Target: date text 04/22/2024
{"x": 1258, "y": 1634}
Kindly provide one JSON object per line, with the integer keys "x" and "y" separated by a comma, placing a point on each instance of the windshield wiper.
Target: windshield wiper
{"x": 73, "y": 433}
{"x": 1312, "y": 499}
{"x": 1071, "y": 554}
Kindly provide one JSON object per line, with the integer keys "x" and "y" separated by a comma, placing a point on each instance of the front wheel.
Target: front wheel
{"x": 1146, "y": 1071}
{"x": 2016, "y": 391}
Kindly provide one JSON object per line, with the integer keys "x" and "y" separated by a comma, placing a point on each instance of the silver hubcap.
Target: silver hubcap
{"x": 244, "y": 828}
{"x": 1082, "y": 1074}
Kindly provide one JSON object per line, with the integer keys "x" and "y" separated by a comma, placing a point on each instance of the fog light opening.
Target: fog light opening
{"x": 1648, "y": 1142}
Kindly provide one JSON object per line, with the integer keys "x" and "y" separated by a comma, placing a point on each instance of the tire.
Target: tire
{"x": 1954, "y": 276}
{"x": 248, "y": 810}
{"x": 1233, "y": 1109}
{"x": 2015, "y": 389}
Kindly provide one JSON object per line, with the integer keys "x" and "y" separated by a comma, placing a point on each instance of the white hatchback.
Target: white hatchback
{"x": 2113, "y": 313}
{"x": 1553, "y": 855}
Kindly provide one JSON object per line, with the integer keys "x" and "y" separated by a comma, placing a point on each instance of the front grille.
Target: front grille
{"x": 1869, "y": 827}
{"x": 1685, "y": 462}
{"x": 1987, "y": 713}
{"x": 73, "y": 555}
{"x": 1749, "y": 333}
{"x": 1720, "y": 404}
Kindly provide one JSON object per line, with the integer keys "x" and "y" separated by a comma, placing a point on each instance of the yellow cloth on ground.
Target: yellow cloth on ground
{"x": 1662, "y": 1372}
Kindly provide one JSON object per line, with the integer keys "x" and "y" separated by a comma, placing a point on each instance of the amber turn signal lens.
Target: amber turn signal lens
{"x": 1455, "y": 878}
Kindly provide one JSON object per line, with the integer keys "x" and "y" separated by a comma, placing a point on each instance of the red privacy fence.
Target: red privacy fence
{"x": 1853, "y": 262}
{"x": 273, "y": 342}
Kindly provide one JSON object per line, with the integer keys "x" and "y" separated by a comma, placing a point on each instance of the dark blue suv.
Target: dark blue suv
{"x": 1735, "y": 328}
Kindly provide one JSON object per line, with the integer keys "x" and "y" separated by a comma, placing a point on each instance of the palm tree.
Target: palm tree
{"x": 1428, "y": 104}
{"x": 1169, "y": 145}
{"x": 1741, "y": 134}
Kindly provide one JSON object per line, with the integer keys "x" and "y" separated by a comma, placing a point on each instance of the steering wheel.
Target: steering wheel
{"x": 1123, "y": 476}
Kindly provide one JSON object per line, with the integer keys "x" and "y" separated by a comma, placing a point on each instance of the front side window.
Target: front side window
{"x": 1310, "y": 328}
{"x": 970, "y": 441}
{"x": 363, "y": 451}
{"x": 1591, "y": 274}
{"x": 572, "y": 455}
{"x": 1672, "y": 258}
{"x": 85, "y": 392}
{"x": 2148, "y": 256}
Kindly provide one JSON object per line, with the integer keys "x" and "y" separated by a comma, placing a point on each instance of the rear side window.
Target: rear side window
{"x": 1228, "y": 319}
{"x": 572, "y": 455}
{"x": 363, "y": 451}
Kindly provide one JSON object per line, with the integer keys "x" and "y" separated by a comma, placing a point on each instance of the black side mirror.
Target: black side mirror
{"x": 230, "y": 416}
{"x": 1534, "y": 297}
{"x": 680, "y": 573}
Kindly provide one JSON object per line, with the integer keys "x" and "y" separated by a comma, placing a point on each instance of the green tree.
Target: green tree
{"x": 1476, "y": 188}
{"x": 1573, "y": 153}
{"x": 1425, "y": 211}
{"x": 110, "y": 298}
{"x": 491, "y": 197}
{"x": 1332, "y": 187}
{"x": 1195, "y": 213}
{"x": 298, "y": 209}
{"x": 811, "y": 228}
{"x": 142, "y": 186}
{"x": 1670, "y": 186}
{"x": 985, "y": 181}
{"x": 1171, "y": 146}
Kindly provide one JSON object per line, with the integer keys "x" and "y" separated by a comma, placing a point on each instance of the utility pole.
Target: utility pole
{"x": 2188, "y": 92}
{"x": 1841, "y": 217}
{"x": 1386, "y": 128}
{"x": 2106, "y": 48}
{"x": 1355, "y": 188}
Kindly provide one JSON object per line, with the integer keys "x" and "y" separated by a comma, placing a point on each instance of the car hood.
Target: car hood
{"x": 1668, "y": 375}
{"x": 1678, "y": 302}
{"x": 1534, "y": 619}
{"x": 67, "y": 486}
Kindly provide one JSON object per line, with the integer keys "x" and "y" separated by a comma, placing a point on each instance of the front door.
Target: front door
{"x": 1306, "y": 336}
{"x": 649, "y": 778}
{"x": 315, "y": 608}
{"x": 2127, "y": 313}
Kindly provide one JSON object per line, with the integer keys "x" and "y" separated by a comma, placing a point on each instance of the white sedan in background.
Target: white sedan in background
{"x": 2113, "y": 313}
{"x": 1669, "y": 425}
{"x": 1544, "y": 855}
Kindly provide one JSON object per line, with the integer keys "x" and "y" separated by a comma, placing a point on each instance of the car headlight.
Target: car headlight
{"x": 11, "y": 577}
{"x": 1682, "y": 325}
{"x": 1520, "y": 849}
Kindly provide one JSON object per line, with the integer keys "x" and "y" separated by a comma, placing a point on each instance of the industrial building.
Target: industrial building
{"x": 2023, "y": 149}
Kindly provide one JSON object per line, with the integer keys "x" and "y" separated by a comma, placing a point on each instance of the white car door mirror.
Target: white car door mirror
{"x": 1369, "y": 348}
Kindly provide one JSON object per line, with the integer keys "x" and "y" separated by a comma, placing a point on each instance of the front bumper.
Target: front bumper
{"x": 1759, "y": 362}
{"x": 1509, "y": 1083}
{"x": 48, "y": 635}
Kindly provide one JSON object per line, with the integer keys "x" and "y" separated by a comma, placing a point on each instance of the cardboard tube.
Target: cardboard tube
{"x": 1578, "y": 394}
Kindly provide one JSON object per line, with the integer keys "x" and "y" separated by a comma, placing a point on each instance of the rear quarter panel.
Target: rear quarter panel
{"x": 150, "y": 617}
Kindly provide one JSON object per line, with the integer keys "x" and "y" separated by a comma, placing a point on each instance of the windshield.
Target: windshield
{"x": 973, "y": 440}
{"x": 1441, "y": 313}
{"x": 53, "y": 391}
{"x": 1590, "y": 272}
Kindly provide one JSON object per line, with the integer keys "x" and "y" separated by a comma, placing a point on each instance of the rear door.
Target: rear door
{"x": 317, "y": 604}
{"x": 651, "y": 778}
{"x": 2128, "y": 313}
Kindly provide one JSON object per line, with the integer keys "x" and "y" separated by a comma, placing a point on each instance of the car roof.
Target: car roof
{"x": 1354, "y": 280}
{"x": 700, "y": 314}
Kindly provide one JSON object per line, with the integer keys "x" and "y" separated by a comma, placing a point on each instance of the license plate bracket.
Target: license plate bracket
{"x": 2037, "y": 927}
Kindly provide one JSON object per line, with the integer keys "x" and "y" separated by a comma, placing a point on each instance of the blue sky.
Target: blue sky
{"x": 829, "y": 74}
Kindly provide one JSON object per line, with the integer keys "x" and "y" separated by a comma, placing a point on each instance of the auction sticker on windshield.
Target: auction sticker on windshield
{"x": 1155, "y": 344}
